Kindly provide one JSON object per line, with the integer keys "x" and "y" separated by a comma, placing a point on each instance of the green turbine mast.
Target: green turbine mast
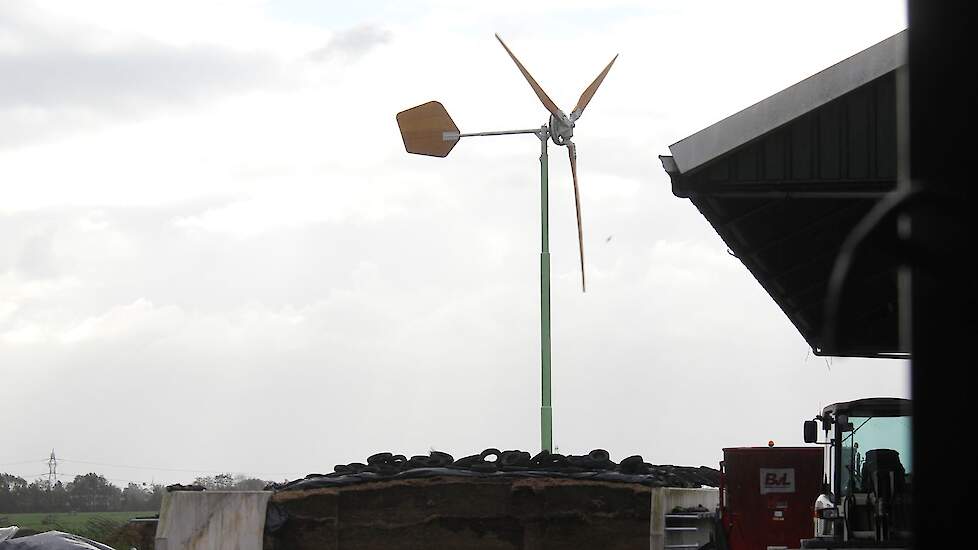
{"x": 428, "y": 130}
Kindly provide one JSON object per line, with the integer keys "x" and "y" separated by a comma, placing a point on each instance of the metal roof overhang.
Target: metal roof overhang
{"x": 873, "y": 406}
{"x": 785, "y": 181}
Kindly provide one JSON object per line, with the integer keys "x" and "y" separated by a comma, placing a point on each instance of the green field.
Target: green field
{"x": 94, "y": 525}
{"x": 65, "y": 521}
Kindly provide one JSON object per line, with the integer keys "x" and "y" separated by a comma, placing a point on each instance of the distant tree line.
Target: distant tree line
{"x": 93, "y": 493}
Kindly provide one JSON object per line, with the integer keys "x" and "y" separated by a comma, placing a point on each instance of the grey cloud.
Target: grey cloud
{"x": 47, "y": 243}
{"x": 352, "y": 43}
{"x": 59, "y": 78}
{"x": 37, "y": 258}
{"x": 125, "y": 81}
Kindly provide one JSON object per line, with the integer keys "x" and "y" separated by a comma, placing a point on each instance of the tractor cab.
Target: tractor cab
{"x": 868, "y": 474}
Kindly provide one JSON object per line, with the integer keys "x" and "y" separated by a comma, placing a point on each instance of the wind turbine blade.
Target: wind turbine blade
{"x": 572, "y": 153}
{"x": 589, "y": 91}
{"x": 544, "y": 98}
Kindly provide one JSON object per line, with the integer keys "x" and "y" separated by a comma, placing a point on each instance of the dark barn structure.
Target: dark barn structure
{"x": 785, "y": 181}
{"x": 885, "y": 134}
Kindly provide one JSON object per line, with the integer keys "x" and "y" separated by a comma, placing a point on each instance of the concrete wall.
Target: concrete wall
{"x": 212, "y": 520}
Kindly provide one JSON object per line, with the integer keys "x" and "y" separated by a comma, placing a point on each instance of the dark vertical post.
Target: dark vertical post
{"x": 943, "y": 310}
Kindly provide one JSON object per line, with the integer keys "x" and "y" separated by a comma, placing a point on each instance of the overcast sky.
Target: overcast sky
{"x": 215, "y": 254}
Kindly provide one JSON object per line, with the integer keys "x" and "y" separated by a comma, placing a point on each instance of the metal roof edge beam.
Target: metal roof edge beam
{"x": 669, "y": 165}
{"x": 790, "y": 103}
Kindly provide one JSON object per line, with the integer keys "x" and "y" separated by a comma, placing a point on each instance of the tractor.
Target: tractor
{"x": 866, "y": 494}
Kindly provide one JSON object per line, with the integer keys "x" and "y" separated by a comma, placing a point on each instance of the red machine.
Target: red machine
{"x": 767, "y": 495}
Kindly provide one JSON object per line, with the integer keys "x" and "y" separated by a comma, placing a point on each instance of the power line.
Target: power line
{"x": 52, "y": 473}
{"x": 23, "y": 462}
{"x": 185, "y": 470}
{"x": 136, "y": 481}
{"x": 43, "y": 475}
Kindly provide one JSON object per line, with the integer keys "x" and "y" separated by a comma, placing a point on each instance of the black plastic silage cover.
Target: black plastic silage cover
{"x": 493, "y": 463}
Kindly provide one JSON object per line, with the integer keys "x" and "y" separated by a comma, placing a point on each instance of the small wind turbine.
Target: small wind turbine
{"x": 428, "y": 130}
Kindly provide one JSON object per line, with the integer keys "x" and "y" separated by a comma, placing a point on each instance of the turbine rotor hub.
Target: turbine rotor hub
{"x": 561, "y": 129}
